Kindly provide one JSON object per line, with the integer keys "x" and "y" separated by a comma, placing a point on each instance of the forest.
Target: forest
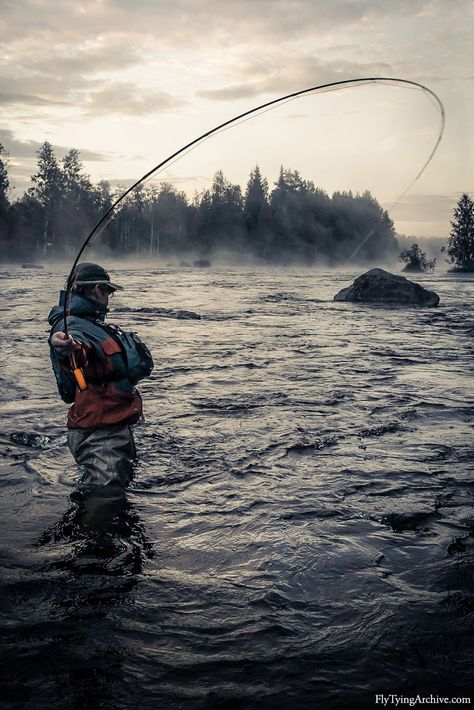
{"x": 291, "y": 222}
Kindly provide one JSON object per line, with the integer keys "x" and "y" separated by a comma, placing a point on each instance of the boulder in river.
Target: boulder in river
{"x": 379, "y": 286}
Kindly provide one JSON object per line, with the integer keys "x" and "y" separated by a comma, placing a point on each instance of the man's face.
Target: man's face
{"x": 102, "y": 294}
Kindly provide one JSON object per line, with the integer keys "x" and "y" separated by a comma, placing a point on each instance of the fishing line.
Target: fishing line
{"x": 435, "y": 101}
{"x": 322, "y": 88}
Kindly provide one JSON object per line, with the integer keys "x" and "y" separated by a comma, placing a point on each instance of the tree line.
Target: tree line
{"x": 293, "y": 221}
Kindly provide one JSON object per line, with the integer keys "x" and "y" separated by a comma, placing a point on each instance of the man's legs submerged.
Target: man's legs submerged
{"x": 105, "y": 455}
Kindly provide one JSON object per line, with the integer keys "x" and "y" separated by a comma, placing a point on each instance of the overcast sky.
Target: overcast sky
{"x": 128, "y": 83}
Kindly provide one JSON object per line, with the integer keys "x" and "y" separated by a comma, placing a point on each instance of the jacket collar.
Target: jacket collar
{"x": 85, "y": 307}
{"x": 80, "y": 306}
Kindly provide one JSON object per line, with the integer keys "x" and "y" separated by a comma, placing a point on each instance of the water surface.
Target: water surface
{"x": 300, "y": 530}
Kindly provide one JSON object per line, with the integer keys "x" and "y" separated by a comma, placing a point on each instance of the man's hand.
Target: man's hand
{"x": 64, "y": 344}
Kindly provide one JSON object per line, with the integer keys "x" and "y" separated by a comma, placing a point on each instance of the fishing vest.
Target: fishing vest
{"x": 135, "y": 361}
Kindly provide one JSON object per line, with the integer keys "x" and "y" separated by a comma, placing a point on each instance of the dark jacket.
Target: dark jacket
{"x": 110, "y": 397}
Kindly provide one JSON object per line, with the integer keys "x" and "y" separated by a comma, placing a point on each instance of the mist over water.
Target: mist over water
{"x": 300, "y": 529}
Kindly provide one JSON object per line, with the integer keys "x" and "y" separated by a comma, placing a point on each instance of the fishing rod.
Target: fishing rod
{"x": 334, "y": 85}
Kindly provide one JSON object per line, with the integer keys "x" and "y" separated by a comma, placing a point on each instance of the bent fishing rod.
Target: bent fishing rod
{"x": 334, "y": 85}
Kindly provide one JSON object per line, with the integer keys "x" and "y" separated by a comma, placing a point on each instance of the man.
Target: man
{"x": 97, "y": 367}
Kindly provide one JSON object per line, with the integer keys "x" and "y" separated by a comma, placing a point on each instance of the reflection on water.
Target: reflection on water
{"x": 299, "y": 532}
{"x": 104, "y": 531}
{"x": 91, "y": 561}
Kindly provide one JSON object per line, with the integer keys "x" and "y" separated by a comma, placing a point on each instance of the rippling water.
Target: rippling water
{"x": 300, "y": 530}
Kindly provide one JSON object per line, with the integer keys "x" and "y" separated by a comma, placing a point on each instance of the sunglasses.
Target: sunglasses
{"x": 108, "y": 291}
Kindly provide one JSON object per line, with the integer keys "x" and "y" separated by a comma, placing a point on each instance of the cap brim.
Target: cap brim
{"x": 114, "y": 287}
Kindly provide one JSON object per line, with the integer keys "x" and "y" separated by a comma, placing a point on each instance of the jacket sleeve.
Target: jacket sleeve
{"x": 82, "y": 357}
{"x": 80, "y": 337}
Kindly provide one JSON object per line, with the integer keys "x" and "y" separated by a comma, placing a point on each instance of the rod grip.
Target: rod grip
{"x": 80, "y": 379}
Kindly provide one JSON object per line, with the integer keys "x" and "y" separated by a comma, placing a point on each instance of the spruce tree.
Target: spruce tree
{"x": 4, "y": 202}
{"x": 257, "y": 213}
{"x": 4, "y": 181}
{"x": 461, "y": 240}
{"x": 78, "y": 209}
{"x": 48, "y": 190}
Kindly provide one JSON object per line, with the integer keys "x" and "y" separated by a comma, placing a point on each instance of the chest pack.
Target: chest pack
{"x": 137, "y": 357}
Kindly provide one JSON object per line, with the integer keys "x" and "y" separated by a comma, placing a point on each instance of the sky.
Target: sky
{"x": 127, "y": 84}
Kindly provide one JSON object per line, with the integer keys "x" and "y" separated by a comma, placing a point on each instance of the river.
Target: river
{"x": 299, "y": 532}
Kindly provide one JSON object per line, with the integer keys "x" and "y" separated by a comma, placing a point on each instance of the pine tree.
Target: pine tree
{"x": 256, "y": 197}
{"x": 226, "y": 214}
{"x": 461, "y": 240}
{"x": 257, "y": 215}
{"x": 78, "y": 207}
{"x": 4, "y": 202}
{"x": 167, "y": 212}
{"x": 292, "y": 203}
{"x": 48, "y": 190}
{"x": 4, "y": 181}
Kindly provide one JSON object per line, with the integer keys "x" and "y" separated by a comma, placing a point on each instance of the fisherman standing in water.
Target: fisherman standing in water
{"x": 97, "y": 367}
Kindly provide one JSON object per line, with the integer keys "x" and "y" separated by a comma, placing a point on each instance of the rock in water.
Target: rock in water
{"x": 379, "y": 286}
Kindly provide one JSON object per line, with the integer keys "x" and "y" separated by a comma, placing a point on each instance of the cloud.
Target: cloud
{"x": 298, "y": 74}
{"x": 29, "y": 99}
{"x": 130, "y": 100}
{"x": 114, "y": 53}
{"x": 50, "y": 89}
{"x": 63, "y": 53}
{"x": 239, "y": 91}
{"x": 182, "y": 22}
{"x": 81, "y": 74}
{"x": 189, "y": 24}
{"x": 19, "y": 149}
{"x": 65, "y": 65}
{"x": 90, "y": 96}
{"x": 62, "y": 71}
